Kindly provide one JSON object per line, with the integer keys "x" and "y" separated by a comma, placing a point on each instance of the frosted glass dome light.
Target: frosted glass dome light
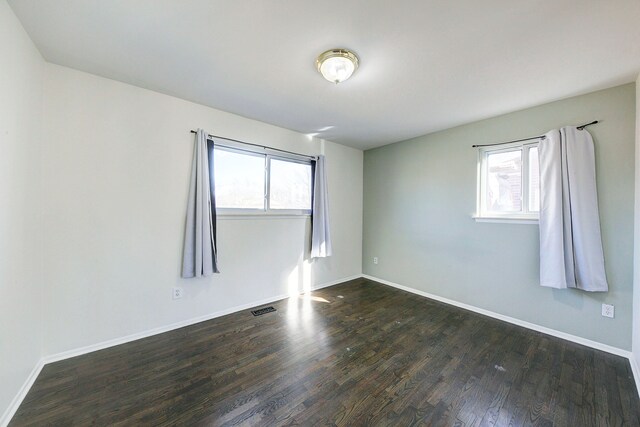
{"x": 337, "y": 65}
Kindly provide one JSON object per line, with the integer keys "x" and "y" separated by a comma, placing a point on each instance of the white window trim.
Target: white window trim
{"x": 525, "y": 217}
{"x": 505, "y": 220}
{"x": 267, "y": 211}
{"x": 260, "y": 216}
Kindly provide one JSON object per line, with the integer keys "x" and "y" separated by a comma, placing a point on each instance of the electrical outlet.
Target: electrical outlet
{"x": 375, "y": 259}
{"x": 177, "y": 293}
{"x": 608, "y": 310}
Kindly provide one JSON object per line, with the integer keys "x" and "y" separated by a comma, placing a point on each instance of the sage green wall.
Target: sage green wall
{"x": 419, "y": 196}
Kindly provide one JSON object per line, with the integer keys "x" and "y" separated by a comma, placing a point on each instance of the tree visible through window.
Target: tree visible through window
{"x": 290, "y": 185}
{"x": 239, "y": 180}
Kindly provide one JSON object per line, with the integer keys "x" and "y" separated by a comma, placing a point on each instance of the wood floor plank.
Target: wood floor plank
{"x": 373, "y": 356}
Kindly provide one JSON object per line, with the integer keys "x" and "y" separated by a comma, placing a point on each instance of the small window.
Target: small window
{"x": 250, "y": 182}
{"x": 509, "y": 182}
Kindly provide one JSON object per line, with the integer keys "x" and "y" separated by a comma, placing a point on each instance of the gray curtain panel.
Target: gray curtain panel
{"x": 200, "y": 252}
{"x": 320, "y": 232}
{"x": 571, "y": 253}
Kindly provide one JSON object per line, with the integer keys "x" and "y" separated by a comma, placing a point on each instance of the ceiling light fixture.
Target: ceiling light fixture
{"x": 337, "y": 65}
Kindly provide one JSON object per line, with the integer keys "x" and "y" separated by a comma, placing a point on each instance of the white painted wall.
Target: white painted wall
{"x": 21, "y": 68}
{"x": 93, "y": 184}
{"x": 117, "y": 161}
{"x": 636, "y": 252}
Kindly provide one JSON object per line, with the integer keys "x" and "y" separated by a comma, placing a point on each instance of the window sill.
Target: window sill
{"x": 260, "y": 216}
{"x": 506, "y": 219}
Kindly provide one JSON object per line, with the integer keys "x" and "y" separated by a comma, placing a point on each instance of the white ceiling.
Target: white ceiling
{"x": 425, "y": 65}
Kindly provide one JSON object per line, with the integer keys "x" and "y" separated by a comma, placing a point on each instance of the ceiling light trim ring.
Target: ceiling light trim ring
{"x": 338, "y": 56}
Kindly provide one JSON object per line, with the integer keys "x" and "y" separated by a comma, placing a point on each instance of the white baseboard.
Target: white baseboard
{"x": 573, "y": 338}
{"x": 636, "y": 372}
{"x": 513, "y": 320}
{"x": 159, "y": 330}
{"x": 13, "y": 407}
{"x": 17, "y": 400}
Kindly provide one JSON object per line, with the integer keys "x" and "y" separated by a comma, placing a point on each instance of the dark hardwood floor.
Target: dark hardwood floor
{"x": 376, "y": 356}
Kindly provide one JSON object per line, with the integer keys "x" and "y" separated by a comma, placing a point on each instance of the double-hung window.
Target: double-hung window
{"x": 509, "y": 182}
{"x": 250, "y": 181}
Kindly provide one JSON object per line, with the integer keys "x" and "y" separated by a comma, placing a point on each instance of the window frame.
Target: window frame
{"x": 525, "y": 216}
{"x": 267, "y": 155}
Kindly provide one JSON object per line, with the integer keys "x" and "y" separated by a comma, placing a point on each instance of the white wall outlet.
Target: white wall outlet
{"x": 177, "y": 293}
{"x": 608, "y": 310}
{"x": 375, "y": 259}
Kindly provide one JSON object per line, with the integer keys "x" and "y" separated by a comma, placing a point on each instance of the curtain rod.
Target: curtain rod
{"x": 533, "y": 137}
{"x": 209, "y": 136}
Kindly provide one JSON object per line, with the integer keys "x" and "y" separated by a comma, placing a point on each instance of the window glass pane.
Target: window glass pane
{"x": 534, "y": 180}
{"x": 290, "y": 185}
{"x": 504, "y": 182}
{"x": 239, "y": 180}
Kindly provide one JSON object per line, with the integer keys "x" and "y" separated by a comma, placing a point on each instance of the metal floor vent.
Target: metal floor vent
{"x": 261, "y": 311}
